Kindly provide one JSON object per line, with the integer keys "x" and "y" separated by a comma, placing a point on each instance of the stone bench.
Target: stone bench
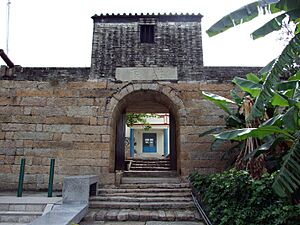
{"x": 77, "y": 189}
{"x": 76, "y": 192}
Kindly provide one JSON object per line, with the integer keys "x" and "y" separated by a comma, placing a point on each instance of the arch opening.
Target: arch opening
{"x": 143, "y": 101}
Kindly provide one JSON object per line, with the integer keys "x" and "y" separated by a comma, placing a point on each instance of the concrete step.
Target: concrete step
{"x": 10, "y": 223}
{"x": 35, "y": 207}
{"x": 140, "y": 199}
{"x": 141, "y": 205}
{"x": 135, "y": 185}
{"x": 18, "y": 216}
{"x": 146, "y": 190}
{"x": 150, "y": 173}
{"x": 149, "y": 195}
{"x": 151, "y": 162}
{"x": 154, "y": 168}
{"x": 142, "y": 215}
{"x": 149, "y": 159}
{"x": 150, "y": 180}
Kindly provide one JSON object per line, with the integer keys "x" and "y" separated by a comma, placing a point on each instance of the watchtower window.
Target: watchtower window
{"x": 147, "y": 33}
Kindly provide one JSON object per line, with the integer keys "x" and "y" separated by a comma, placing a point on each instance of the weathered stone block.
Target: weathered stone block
{"x": 88, "y": 129}
{"x": 33, "y": 101}
{"x": 28, "y": 119}
{"x": 18, "y": 127}
{"x": 34, "y": 92}
{"x": 81, "y": 137}
{"x": 82, "y": 111}
{"x": 61, "y": 102}
{"x": 48, "y": 111}
{"x": 67, "y": 120}
{"x": 57, "y": 128}
{"x": 33, "y": 135}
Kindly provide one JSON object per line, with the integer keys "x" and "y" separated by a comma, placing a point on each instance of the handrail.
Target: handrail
{"x": 201, "y": 211}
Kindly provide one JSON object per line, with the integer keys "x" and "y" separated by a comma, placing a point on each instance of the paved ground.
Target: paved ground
{"x": 142, "y": 223}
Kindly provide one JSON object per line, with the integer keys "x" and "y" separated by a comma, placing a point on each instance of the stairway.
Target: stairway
{"x": 18, "y": 213}
{"x": 149, "y": 191}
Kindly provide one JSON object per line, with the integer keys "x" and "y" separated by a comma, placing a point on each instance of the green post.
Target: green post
{"x": 51, "y": 175}
{"x": 21, "y": 178}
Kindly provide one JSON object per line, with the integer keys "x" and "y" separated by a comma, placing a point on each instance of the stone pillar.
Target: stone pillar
{"x": 166, "y": 150}
{"x": 131, "y": 142}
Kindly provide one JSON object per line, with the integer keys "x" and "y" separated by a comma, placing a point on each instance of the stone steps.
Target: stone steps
{"x": 142, "y": 215}
{"x": 20, "y": 212}
{"x": 145, "y": 173}
{"x": 141, "y": 199}
{"x": 150, "y": 180}
{"x": 140, "y": 205}
{"x": 149, "y": 159}
{"x": 157, "y": 194}
{"x": 159, "y": 184}
{"x": 18, "y": 216}
{"x": 150, "y": 168}
{"x": 146, "y": 190}
{"x": 167, "y": 163}
{"x": 149, "y": 191}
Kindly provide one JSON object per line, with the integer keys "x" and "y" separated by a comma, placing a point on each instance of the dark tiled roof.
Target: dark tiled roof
{"x": 117, "y": 18}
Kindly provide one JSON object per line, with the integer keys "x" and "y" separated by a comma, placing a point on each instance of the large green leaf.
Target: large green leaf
{"x": 288, "y": 5}
{"x": 219, "y": 101}
{"x": 267, "y": 68}
{"x": 242, "y": 15}
{"x": 288, "y": 179}
{"x": 248, "y": 86}
{"x": 290, "y": 119}
{"x": 252, "y": 77}
{"x": 278, "y": 100}
{"x": 295, "y": 77}
{"x": 242, "y": 134}
{"x": 211, "y": 131}
{"x": 261, "y": 149}
{"x": 287, "y": 85}
{"x": 238, "y": 100}
{"x": 284, "y": 61}
{"x": 274, "y": 121}
{"x": 275, "y": 24}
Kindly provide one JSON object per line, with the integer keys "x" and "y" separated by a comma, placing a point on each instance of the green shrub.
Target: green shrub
{"x": 233, "y": 197}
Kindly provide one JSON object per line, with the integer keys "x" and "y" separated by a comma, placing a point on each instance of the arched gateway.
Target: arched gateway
{"x": 144, "y": 98}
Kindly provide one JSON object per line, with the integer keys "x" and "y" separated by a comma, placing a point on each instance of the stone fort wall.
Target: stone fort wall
{"x": 70, "y": 114}
{"x": 59, "y": 113}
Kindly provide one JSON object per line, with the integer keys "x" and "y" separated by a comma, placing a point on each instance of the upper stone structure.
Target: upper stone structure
{"x": 150, "y": 47}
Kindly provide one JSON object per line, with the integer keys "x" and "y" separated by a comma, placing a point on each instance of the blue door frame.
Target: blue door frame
{"x": 149, "y": 143}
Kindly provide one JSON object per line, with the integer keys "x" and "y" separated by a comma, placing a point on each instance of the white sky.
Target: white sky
{"x": 58, "y": 33}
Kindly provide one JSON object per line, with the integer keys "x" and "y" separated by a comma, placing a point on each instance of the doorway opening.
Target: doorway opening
{"x": 155, "y": 138}
{"x": 147, "y": 135}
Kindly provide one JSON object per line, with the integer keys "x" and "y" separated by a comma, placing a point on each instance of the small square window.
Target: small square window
{"x": 147, "y": 33}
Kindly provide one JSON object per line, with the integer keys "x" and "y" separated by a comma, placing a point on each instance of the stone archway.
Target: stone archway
{"x": 144, "y": 98}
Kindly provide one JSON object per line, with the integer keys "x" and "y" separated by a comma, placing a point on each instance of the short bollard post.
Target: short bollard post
{"x": 51, "y": 175}
{"x": 21, "y": 178}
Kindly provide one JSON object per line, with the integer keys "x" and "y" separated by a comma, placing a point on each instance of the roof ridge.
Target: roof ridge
{"x": 148, "y": 14}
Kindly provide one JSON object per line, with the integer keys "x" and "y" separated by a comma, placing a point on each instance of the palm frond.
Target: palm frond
{"x": 275, "y": 24}
{"x": 242, "y": 15}
{"x": 283, "y": 63}
{"x": 288, "y": 179}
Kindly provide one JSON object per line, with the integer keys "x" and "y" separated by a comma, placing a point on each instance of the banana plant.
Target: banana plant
{"x": 282, "y": 127}
{"x": 270, "y": 91}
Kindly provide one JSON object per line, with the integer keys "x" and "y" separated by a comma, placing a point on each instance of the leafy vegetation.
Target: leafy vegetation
{"x": 234, "y": 197}
{"x": 267, "y": 120}
{"x": 139, "y": 118}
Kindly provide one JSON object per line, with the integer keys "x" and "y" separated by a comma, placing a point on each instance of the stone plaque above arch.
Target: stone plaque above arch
{"x": 146, "y": 73}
